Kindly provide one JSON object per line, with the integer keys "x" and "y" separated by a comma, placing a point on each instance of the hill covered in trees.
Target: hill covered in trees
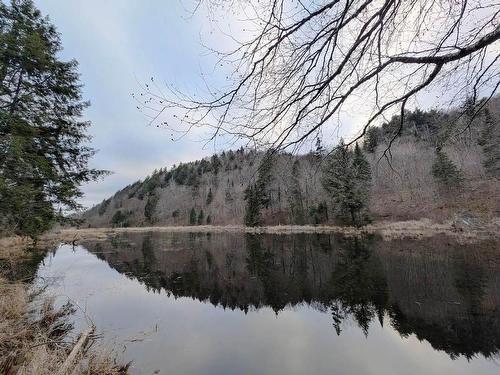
{"x": 439, "y": 164}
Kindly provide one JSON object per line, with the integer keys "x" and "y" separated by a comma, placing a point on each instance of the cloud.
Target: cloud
{"x": 119, "y": 45}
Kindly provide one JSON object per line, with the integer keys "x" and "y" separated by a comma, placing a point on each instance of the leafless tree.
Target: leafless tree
{"x": 306, "y": 61}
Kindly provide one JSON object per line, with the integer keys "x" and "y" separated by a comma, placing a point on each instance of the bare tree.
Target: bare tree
{"x": 306, "y": 61}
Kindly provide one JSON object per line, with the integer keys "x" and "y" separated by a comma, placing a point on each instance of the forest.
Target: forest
{"x": 443, "y": 164}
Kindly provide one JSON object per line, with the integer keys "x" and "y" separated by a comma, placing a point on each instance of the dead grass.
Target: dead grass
{"x": 456, "y": 227}
{"x": 34, "y": 336}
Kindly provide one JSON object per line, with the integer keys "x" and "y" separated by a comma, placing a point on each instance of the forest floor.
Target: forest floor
{"x": 36, "y": 337}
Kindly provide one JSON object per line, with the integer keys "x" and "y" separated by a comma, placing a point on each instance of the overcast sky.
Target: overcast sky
{"x": 121, "y": 45}
{"x": 118, "y": 45}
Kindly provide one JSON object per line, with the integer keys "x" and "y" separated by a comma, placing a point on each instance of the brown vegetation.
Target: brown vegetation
{"x": 34, "y": 336}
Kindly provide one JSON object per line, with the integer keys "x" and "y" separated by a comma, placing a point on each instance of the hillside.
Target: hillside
{"x": 212, "y": 190}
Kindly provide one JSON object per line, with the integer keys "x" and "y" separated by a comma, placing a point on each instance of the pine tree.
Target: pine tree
{"x": 209, "y": 220}
{"x": 319, "y": 152}
{"x": 43, "y": 159}
{"x": 257, "y": 196}
{"x": 346, "y": 177}
{"x": 295, "y": 199}
{"x": 371, "y": 140}
{"x": 192, "y": 217}
{"x": 252, "y": 208}
{"x": 150, "y": 207}
{"x": 490, "y": 143}
{"x": 119, "y": 219}
{"x": 361, "y": 165}
{"x": 210, "y": 196}
{"x": 264, "y": 178}
{"x": 448, "y": 177}
{"x": 216, "y": 164}
{"x": 201, "y": 216}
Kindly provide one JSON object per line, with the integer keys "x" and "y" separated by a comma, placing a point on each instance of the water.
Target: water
{"x": 320, "y": 304}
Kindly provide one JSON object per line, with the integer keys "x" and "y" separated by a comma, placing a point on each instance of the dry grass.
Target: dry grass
{"x": 34, "y": 336}
{"x": 457, "y": 227}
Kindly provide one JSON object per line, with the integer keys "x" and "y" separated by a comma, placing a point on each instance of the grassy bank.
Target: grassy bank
{"x": 462, "y": 228}
{"x": 35, "y": 338}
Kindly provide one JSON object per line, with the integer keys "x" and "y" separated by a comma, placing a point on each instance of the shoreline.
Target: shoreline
{"x": 387, "y": 230}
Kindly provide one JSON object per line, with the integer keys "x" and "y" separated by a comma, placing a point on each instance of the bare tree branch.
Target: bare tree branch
{"x": 309, "y": 60}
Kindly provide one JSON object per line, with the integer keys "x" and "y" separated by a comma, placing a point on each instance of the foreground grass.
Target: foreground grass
{"x": 34, "y": 336}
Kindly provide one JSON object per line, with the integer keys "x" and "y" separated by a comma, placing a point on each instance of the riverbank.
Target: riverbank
{"x": 465, "y": 229}
{"x": 35, "y": 337}
{"x": 461, "y": 228}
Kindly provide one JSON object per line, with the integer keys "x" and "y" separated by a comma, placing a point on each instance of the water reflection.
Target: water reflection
{"x": 441, "y": 291}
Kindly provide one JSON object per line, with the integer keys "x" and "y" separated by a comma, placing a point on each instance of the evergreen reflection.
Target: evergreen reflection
{"x": 440, "y": 291}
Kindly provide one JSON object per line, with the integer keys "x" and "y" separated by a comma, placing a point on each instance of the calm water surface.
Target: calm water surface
{"x": 298, "y": 304}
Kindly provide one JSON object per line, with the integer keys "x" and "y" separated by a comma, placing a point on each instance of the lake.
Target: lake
{"x": 234, "y": 303}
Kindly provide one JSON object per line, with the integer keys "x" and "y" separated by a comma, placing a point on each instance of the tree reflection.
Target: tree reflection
{"x": 439, "y": 291}
{"x": 358, "y": 285}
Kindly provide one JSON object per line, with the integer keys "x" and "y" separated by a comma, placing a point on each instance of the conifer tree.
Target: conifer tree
{"x": 43, "y": 159}
{"x": 361, "y": 165}
{"x": 257, "y": 196}
{"x": 252, "y": 207}
{"x": 295, "y": 199}
{"x": 192, "y": 216}
{"x": 150, "y": 207}
{"x": 346, "y": 177}
{"x": 448, "y": 177}
{"x": 209, "y": 220}
{"x": 201, "y": 216}
{"x": 490, "y": 142}
{"x": 320, "y": 150}
{"x": 371, "y": 140}
{"x": 210, "y": 196}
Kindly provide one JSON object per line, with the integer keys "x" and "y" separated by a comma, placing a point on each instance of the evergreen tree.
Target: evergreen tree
{"x": 150, "y": 208}
{"x": 103, "y": 206}
{"x": 361, "y": 165}
{"x": 257, "y": 196}
{"x": 490, "y": 143}
{"x": 346, "y": 177}
{"x": 192, "y": 216}
{"x": 209, "y": 220}
{"x": 119, "y": 219}
{"x": 371, "y": 140}
{"x": 201, "y": 216}
{"x": 216, "y": 164}
{"x": 210, "y": 196}
{"x": 319, "y": 152}
{"x": 252, "y": 208}
{"x": 43, "y": 159}
{"x": 295, "y": 199}
{"x": 448, "y": 177}
{"x": 264, "y": 178}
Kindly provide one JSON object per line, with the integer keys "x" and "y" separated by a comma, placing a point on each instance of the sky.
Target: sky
{"x": 120, "y": 45}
